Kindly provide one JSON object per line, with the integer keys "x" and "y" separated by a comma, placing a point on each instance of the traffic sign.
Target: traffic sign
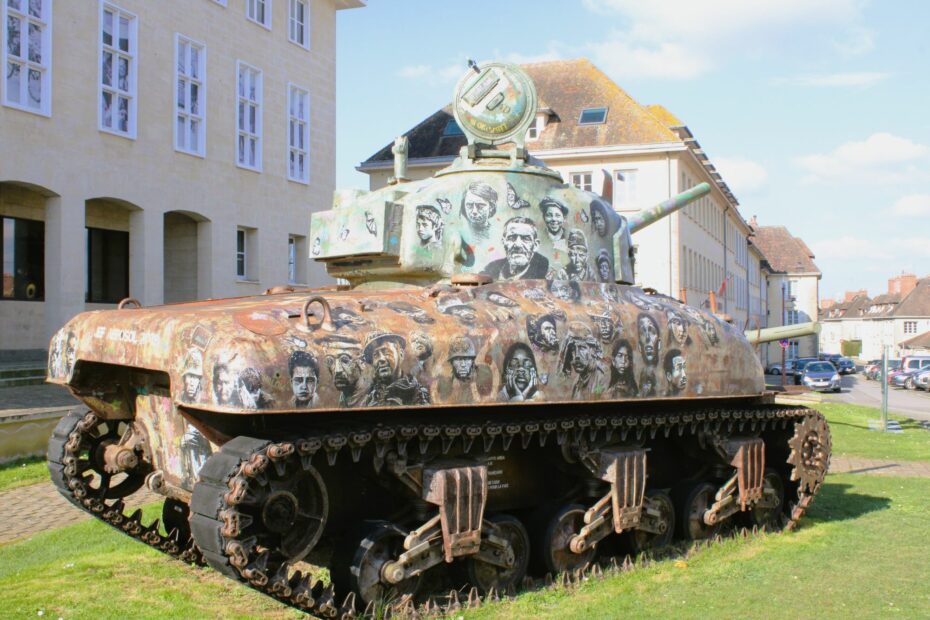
{"x": 783, "y": 343}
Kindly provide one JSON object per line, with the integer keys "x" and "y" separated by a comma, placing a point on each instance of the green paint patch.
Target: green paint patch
{"x": 23, "y": 472}
{"x": 849, "y": 426}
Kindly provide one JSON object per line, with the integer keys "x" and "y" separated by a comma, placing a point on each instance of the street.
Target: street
{"x": 857, "y": 390}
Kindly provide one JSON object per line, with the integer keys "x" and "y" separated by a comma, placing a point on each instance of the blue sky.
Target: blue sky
{"x": 816, "y": 112}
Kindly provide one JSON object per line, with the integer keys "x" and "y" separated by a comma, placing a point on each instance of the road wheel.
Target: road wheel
{"x": 642, "y": 540}
{"x": 692, "y": 502}
{"x": 770, "y": 517}
{"x": 489, "y": 577}
{"x": 557, "y": 556}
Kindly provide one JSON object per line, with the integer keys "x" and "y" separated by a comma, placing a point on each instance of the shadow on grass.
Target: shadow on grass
{"x": 836, "y": 503}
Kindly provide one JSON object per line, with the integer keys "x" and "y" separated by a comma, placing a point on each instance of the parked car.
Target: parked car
{"x": 820, "y": 376}
{"x": 876, "y": 370}
{"x": 901, "y": 378}
{"x": 844, "y": 365}
{"x": 871, "y": 367}
{"x": 922, "y": 380}
{"x": 830, "y": 357}
{"x": 799, "y": 365}
{"x": 908, "y": 364}
{"x": 775, "y": 369}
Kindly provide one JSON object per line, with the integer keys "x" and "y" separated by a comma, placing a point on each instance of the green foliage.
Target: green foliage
{"x": 22, "y": 472}
{"x": 849, "y": 425}
{"x": 851, "y": 348}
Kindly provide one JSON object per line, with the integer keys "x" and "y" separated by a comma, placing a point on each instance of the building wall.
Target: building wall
{"x": 803, "y": 299}
{"x": 66, "y": 163}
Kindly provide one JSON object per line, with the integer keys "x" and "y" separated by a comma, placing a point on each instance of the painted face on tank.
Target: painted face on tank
{"x": 554, "y": 218}
{"x": 346, "y": 370}
{"x": 429, "y": 224}
{"x": 677, "y": 327}
{"x": 303, "y": 383}
{"x": 549, "y": 333}
{"x": 462, "y": 367}
{"x": 520, "y": 243}
{"x": 583, "y": 357}
{"x": 648, "y": 338}
{"x": 386, "y": 362}
{"x": 578, "y": 257}
{"x": 421, "y": 345}
{"x": 600, "y": 222}
{"x": 622, "y": 360}
{"x": 675, "y": 371}
{"x": 251, "y": 394}
{"x": 710, "y": 330}
{"x": 192, "y": 384}
{"x": 225, "y": 385}
{"x": 502, "y": 300}
{"x": 479, "y": 204}
{"x": 465, "y": 314}
{"x": 561, "y": 289}
{"x": 603, "y": 270}
{"x": 522, "y": 367}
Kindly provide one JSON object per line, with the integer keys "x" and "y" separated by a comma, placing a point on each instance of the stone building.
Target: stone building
{"x": 793, "y": 288}
{"x": 586, "y": 127}
{"x": 863, "y": 326}
{"x": 165, "y": 151}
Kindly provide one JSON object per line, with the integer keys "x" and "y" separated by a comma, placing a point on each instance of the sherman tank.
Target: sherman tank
{"x": 486, "y": 395}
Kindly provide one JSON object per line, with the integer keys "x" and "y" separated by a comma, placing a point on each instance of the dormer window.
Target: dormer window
{"x": 532, "y": 133}
{"x": 452, "y": 129}
{"x": 593, "y": 116}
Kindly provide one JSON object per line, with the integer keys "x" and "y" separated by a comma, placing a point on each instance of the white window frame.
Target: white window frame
{"x": 251, "y": 10}
{"x": 201, "y": 83}
{"x": 44, "y": 67}
{"x": 294, "y": 149}
{"x": 294, "y": 26}
{"x": 132, "y": 54}
{"x": 626, "y": 189}
{"x": 583, "y": 185}
{"x": 533, "y": 131}
{"x": 242, "y": 103}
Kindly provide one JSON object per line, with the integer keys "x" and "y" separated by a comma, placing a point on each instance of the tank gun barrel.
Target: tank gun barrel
{"x": 641, "y": 219}
{"x": 782, "y": 332}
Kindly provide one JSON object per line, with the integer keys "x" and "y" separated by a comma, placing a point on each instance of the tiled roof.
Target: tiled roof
{"x": 917, "y": 302}
{"x": 665, "y": 117}
{"x": 565, "y": 88}
{"x": 848, "y": 309}
{"x": 785, "y": 253}
{"x": 921, "y": 341}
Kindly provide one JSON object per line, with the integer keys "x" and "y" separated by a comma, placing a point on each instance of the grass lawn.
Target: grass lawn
{"x": 849, "y": 426}
{"x": 22, "y": 472}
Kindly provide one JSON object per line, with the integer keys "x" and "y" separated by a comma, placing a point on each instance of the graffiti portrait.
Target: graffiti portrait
{"x": 390, "y": 386}
{"x": 603, "y": 265}
{"x": 642, "y": 300}
{"x": 522, "y": 262}
{"x": 371, "y": 224}
{"x": 649, "y": 342}
{"x": 467, "y": 380}
{"x": 304, "y": 372}
{"x": 519, "y": 377}
{"x": 579, "y": 267}
{"x": 195, "y": 449}
{"x": 346, "y": 317}
{"x": 429, "y": 225}
{"x": 543, "y": 332}
{"x": 599, "y": 218}
{"x": 479, "y": 204}
{"x": 345, "y": 365}
{"x": 677, "y": 329}
{"x": 463, "y": 312}
{"x": 622, "y": 379}
{"x": 710, "y": 331}
{"x": 251, "y": 393}
{"x": 647, "y": 383}
{"x": 499, "y": 299}
{"x": 422, "y": 346}
{"x": 69, "y": 357}
{"x": 418, "y": 314}
{"x": 564, "y": 289}
{"x": 225, "y": 384}
{"x": 606, "y": 327}
{"x": 580, "y": 355}
{"x": 193, "y": 375}
{"x": 514, "y": 201}
{"x": 675, "y": 372}
{"x": 317, "y": 247}
{"x": 554, "y": 214}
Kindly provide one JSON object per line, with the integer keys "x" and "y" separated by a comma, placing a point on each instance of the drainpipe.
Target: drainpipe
{"x": 726, "y": 291}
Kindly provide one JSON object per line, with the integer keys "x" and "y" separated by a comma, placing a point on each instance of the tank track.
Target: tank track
{"x": 215, "y": 522}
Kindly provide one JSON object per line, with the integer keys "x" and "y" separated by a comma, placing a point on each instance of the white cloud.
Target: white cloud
{"x": 848, "y": 247}
{"x": 686, "y": 39}
{"x": 882, "y": 157}
{"x": 914, "y": 205}
{"x": 742, "y": 175}
{"x": 862, "y": 79}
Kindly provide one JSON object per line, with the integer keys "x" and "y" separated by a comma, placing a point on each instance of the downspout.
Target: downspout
{"x": 726, "y": 291}
{"x": 672, "y": 223}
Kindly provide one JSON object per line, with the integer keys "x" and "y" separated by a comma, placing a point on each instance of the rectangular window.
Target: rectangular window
{"x": 249, "y": 143}
{"x": 296, "y": 259}
{"x": 910, "y": 327}
{"x": 118, "y": 51}
{"x": 292, "y": 259}
{"x": 298, "y": 135}
{"x": 536, "y": 128}
{"x": 452, "y": 129}
{"x": 22, "y": 249}
{"x": 298, "y": 30}
{"x": 241, "y": 253}
{"x": 190, "y": 96}
{"x": 107, "y": 266}
{"x": 582, "y": 180}
{"x": 259, "y": 11}
{"x": 592, "y": 116}
{"x": 625, "y": 189}
{"x": 27, "y": 55}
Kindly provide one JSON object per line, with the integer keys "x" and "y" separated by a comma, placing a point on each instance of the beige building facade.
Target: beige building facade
{"x": 650, "y": 155}
{"x": 165, "y": 151}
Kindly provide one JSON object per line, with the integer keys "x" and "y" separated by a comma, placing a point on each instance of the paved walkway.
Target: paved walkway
{"x": 29, "y": 397}
{"x": 40, "y": 507}
{"x": 858, "y": 465}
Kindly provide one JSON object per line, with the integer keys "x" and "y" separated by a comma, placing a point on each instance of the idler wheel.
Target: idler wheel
{"x": 291, "y": 510}
{"x": 90, "y": 464}
{"x": 383, "y": 543}
{"x": 810, "y": 453}
{"x": 694, "y": 501}
{"x": 485, "y": 575}
{"x": 557, "y": 555}
{"x": 641, "y": 540}
{"x": 770, "y": 516}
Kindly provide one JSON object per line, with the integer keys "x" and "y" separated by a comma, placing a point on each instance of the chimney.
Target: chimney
{"x": 902, "y": 284}
{"x": 850, "y": 295}
{"x": 754, "y": 222}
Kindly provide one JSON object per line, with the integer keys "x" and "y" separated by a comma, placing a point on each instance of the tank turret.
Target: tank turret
{"x": 490, "y": 387}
